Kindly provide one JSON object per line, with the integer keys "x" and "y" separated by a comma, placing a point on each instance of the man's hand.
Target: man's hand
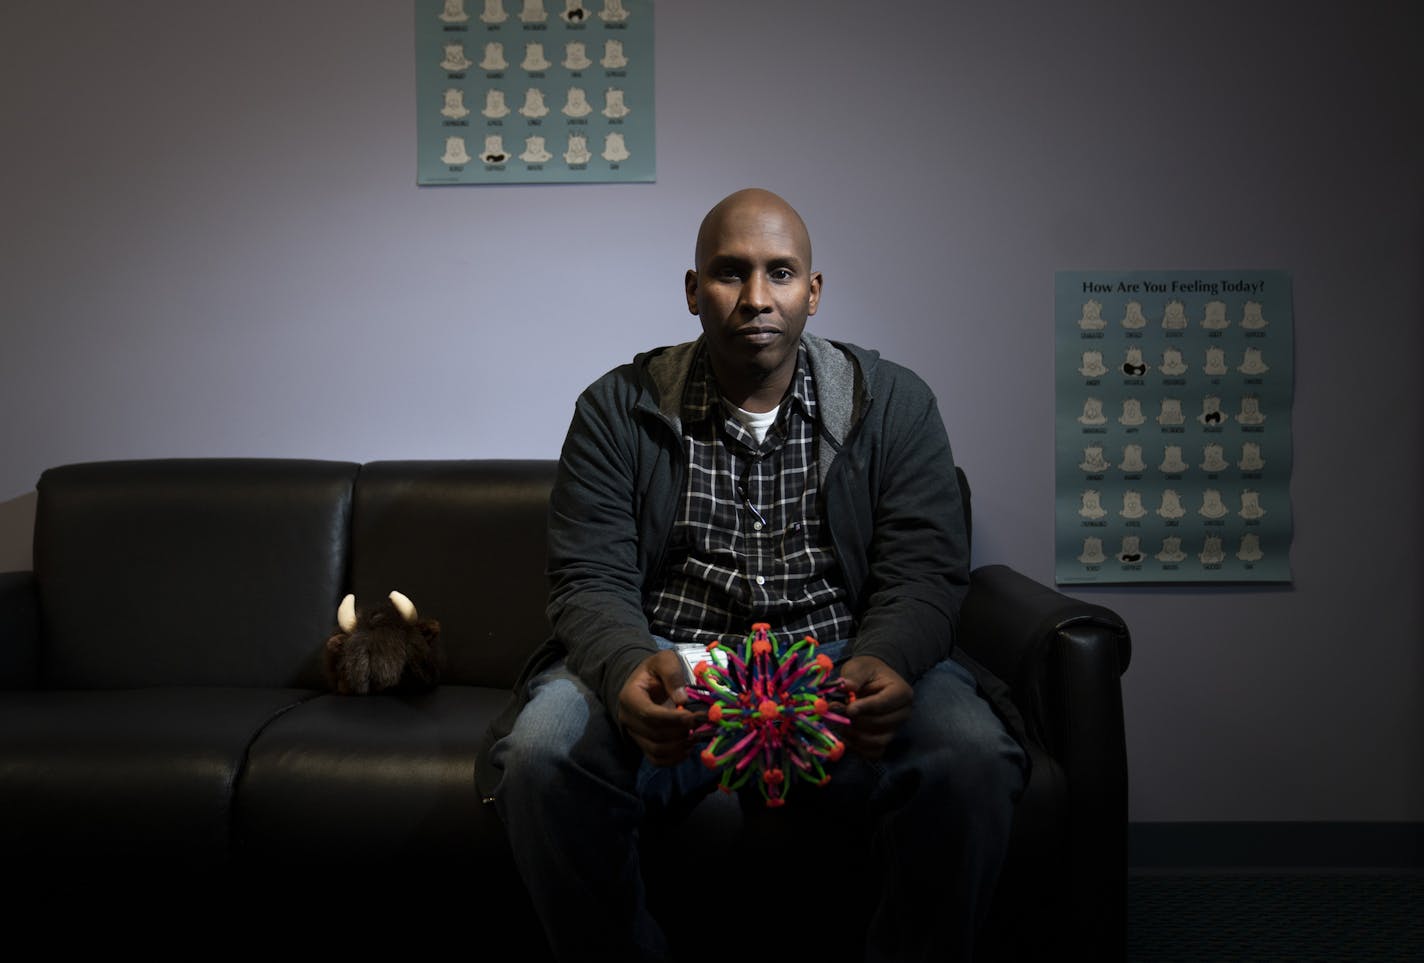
{"x": 882, "y": 703}
{"x": 649, "y": 709}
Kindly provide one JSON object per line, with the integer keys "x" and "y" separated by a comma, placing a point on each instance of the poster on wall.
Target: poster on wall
{"x": 1173, "y": 411}
{"x": 534, "y": 91}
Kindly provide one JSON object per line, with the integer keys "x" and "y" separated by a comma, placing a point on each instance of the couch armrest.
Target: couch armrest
{"x": 1011, "y": 625}
{"x": 1063, "y": 660}
{"x": 19, "y": 631}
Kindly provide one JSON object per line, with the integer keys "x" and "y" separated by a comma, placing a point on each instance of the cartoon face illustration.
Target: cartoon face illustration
{"x": 1172, "y": 460}
{"x": 613, "y": 105}
{"x": 1252, "y": 363}
{"x": 454, "y": 104}
{"x": 455, "y": 151}
{"x": 1131, "y": 549}
{"x": 1211, "y": 553}
{"x": 494, "y": 57}
{"x": 494, "y": 104}
{"x": 1171, "y": 506}
{"x": 614, "y": 149}
{"x": 1251, "y": 457}
{"x": 1171, "y": 549}
{"x": 1171, "y": 413}
{"x": 1250, "y": 550}
{"x": 1251, "y": 504}
{"x": 575, "y": 56}
{"x": 534, "y": 105}
{"x": 1251, "y": 413}
{"x": 1092, "y": 551}
{"x": 534, "y": 151}
{"x": 613, "y": 11}
{"x": 494, "y": 152}
{"x": 613, "y": 56}
{"x": 1131, "y": 412}
{"x": 1092, "y": 319}
{"x": 577, "y": 104}
{"x": 455, "y": 58}
{"x": 577, "y": 150}
{"x": 1093, "y": 460}
{"x": 1212, "y": 505}
{"x": 1092, "y": 412}
{"x": 534, "y": 57}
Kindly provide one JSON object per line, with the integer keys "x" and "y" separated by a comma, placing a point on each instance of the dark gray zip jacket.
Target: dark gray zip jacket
{"x": 888, "y": 497}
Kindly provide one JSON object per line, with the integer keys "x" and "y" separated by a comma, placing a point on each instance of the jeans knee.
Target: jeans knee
{"x": 981, "y": 781}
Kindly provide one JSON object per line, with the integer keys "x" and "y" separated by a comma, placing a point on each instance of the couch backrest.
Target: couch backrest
{"x": 465, "y": 540}
{"x": 190, "y": 572}
{"x": 229, "y": 571}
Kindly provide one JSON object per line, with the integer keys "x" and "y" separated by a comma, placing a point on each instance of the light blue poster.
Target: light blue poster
{"x": 1174, "y": 393}
{"x": 534, "y": 91}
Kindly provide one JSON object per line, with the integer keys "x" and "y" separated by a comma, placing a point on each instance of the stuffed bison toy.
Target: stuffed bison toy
{"x": 388, "y": 648}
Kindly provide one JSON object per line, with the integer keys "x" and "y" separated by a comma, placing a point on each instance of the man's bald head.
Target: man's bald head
{"x": 753, "y": 289}
{"x": 753, "y": 203}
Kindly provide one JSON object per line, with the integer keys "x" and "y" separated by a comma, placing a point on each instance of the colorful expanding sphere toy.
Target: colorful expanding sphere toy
{"x": 767, "y": 713}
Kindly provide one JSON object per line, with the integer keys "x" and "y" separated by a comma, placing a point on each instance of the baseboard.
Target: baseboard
{"x": 1270, "y": 845}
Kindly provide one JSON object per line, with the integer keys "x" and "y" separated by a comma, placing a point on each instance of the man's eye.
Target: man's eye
{"x": 781, "y": 274}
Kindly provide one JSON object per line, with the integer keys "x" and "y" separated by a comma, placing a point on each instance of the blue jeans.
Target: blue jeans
{"x": 936, "y": 809}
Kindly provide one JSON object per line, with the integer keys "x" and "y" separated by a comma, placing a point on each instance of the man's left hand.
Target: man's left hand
{"x": 882, "y": 703}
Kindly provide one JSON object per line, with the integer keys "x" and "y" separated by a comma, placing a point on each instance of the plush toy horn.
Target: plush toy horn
{"x": 405, "y": 606}
{"x": 346, "y": 614}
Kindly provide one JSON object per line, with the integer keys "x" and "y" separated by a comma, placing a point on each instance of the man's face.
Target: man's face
{"x": 753, "y": 290}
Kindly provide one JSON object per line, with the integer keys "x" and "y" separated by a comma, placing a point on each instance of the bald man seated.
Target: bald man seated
{"x": 756, "y": 474}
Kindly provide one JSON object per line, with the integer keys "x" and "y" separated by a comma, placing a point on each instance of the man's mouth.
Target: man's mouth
{"x": 758, "y": 334}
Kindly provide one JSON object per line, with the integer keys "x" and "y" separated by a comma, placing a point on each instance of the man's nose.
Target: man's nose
{"x": 756, "y": 294}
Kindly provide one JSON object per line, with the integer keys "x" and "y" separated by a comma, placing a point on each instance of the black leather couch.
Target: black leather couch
{"x": 169, "y": 747}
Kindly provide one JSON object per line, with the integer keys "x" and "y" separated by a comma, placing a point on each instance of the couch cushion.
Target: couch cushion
{"x": 190, "y": 571}
{"x": 146, "y": 773}
{"x": 370, "y": 780}
{"x": 465, "y": 540}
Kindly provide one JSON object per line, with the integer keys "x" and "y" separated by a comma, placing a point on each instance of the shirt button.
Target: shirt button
{"x": 756, "y": 526}
{"x": 761, "y": 580}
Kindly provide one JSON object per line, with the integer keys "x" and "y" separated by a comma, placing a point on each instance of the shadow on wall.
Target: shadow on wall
{"x": 17, "y": 533}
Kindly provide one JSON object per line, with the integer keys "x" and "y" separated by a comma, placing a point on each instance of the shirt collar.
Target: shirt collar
{"x": 702, "y": 399}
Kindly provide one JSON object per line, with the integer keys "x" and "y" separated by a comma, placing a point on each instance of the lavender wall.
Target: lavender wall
{"x": 213, "y": 244}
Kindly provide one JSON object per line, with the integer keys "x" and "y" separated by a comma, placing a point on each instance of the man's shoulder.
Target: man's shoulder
{"x": 651, "y": 376}
{"x": 876, "y": 369}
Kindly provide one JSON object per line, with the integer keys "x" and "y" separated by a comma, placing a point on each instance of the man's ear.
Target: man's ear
{"x": 689, "y": 284}
{"x": 813, "y": 301}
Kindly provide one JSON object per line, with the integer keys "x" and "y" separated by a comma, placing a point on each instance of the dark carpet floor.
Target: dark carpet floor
{"x": 1338, "y": 916}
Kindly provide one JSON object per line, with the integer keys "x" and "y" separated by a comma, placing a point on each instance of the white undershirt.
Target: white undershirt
{"x": 757, "y": 422}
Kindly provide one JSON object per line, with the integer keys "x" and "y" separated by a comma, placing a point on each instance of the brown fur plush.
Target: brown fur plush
{"x": 381, "y": 649}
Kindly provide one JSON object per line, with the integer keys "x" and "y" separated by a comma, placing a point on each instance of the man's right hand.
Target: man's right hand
{"x": 650, "y": 709}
